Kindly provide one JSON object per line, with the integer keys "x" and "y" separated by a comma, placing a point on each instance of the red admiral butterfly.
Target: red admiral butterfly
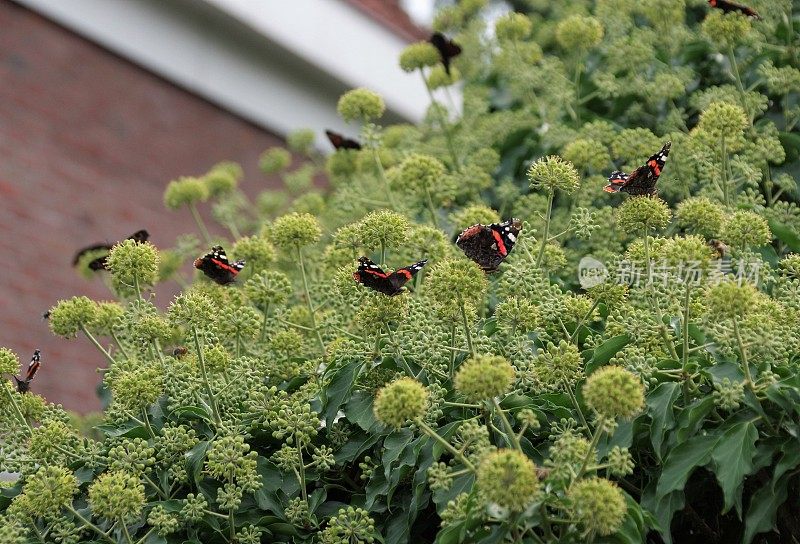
{"x": 642, "y": 181}
{"x": 489, "y": 245}
{"x": 339, "y": 141}
{"x": 180, "y": 351}
{"x": 727, "y": 7}
{"x": 448, "y": 49}
{"x": 215, "y": 265}
{"x": 140, "y": 236}
{"x": 371, "y": 275}
{"x": 24, "y": 385}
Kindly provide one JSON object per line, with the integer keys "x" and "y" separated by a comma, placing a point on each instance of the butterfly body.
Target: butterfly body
{"x": 99, "y": 263}
{"x": 489, "y": 245}
{"x": 24, "y": 384}
{"x": 216, "y": 266}
{"x": 642, "y": 181}
{"x": 371, "y": 275}
{"x": 339, "y": 141}
{"x": 447, "y": 48}
{"x": 728, "y": 7}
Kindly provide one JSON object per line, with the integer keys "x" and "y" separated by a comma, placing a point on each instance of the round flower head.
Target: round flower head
{"x": 512, "y": 27}
{"x": 271, "y": 202}
{"x": 746, "y": 229}
{"x": 138, "y": 388}
{"x": 300, "y": 179}
{"x": 472, "y": 215}
{"x": 301, "y": 141}
{"x": 614, "y": 392}
{"x": 223, "y": 178}
{"x": 456, "y": 280}
{"x": 723, "y": 120}
{"x": 268, "y": 287}
{"x": 643, "y": 214}
{"x": 587, "y": 154}
{"x": 508, "y": 478}
{"x": 117, "y": 496}
{"x": 558, "y": 366}
{"x": 274, "y": 160}
{"x": 9, "y": 362}
{"x": 790, "y": 265}
{"x": 401, "y": 401}
{"x": 700, "y": 215}
{"x": 438, "y": 77}
{"x": 194, "y": 309}
{"x": 69, "y": 316}
{"x": 49, "y": 490}
{"x": 419, "y": 173}
{"x": 578, "y": 32}
{"x": 553, "y": 172}
{"x": 360, "y": 105}
{"x": 341, "y": 165}
{"x": 256, "y": 250}
{"x": 349, "y": 525}
{"x": 725, "y": 30}
{"x": 295, "y": 230}
{"x": 729, "y": 300}
{"x": 375, "y": 312}
{"x": 599, "y": 505}
{"x": 633, "y": 145}
{"x": 383, "y": 228}
{"x": 517, "y": 314}
{"x": 183, "y": 191}
{"x": 133, "y": 264}
{"x": 418, "y": 55}
{"x": 484, "y": 378}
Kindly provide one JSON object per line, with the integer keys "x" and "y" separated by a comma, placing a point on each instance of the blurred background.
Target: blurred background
{"x": 103, "y": 102}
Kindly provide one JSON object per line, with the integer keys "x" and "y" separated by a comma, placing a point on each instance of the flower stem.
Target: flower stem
{"x": 685, "y": 335}
{"x": 90, "y": 525}
{"x": 202, "y": 360}
{"x": 745, "y": 364}
{"x": 598, "y": 433}
{"x": 382, "y": 175}
{"x": 466, "y": 326}
{"x": 16, "y": 408}
{"x": 575, "y": 404}
{"x": 546, "y": 228}
{"x": 449, "y": 137}
{"x": 94, "y": 341}
{"x": 302, "y": 468}
{"x": 507, "y": 425}
{"x": 445, "y": 444}
{"x": 264, "y": 324}
{"x": 200, "y": 224}
{"x": 125, "y": 532}
{"x": 309, "y": 303}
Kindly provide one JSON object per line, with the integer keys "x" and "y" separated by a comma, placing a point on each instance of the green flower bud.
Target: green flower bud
{"x": 13, "y": 532}
{"x": 351, "y": 526}
{"x": 723, "y": 120}
{"x": 68, "y": 316}
{"x": 133, "y": 264}
{"x": 163, "y": 522}
{"x": 729, "y": 300}
{"x": 301, "y": 141}
{"x": 643, "y": 214}
{"x": 728, "y": 395}
{"x": 194, "y": 309}
{"x": 558, "y": 367}
{"x": 418, "y": 55}
{"x": 588, "y": 154}
{"x": 578, "y": 32}
{"x": 295, "y": 230}
{"x": 383, "y": 228}
{"x": 229, "y": 458}
{"x": 268, "y": 288}
{"x": 746, "y": 229}
{"x": 790, "y": 265}
{"x": 634, "y": 145}
{"x": 780, "y": 80}
{"x": 193, "y": 509}
{"x": 138, "y": 388}
{"x": 599, "y": 505}
{"x": 553, "y": 172}
{"x": 508, "y": 478}
{"x": 418, "y": 174}
{"x": 271, "y": 202}
{"x": 376, "y": 312}
{"x": 274, "y": 160}
{"x": 184, "y": 191}
{"x": 9, "y": 362}
{"x": 438, "y": 77}
{"x": 239, "y": 322}
{"x": 401, "y": 401}
{"x": 49, "y": 490}
{"x": 471, "y": 8}
{"x": 300, "y": 179}
{"x": 517, "y": 314}
{"x": 701, "y": 215}
{"x": 311, "y": 202}
{"x": 360, "y": 105}
{"x": 341, "y": 165}
{"x": 484, "y": 378}
{"x": 456, "y": 281}
{"x": 472, "y": 215}
{"x": 620, "y": 462}
{"x": 134, "y": 456}
{"x": 249, "y": 534}
{"x": 223, "y": 178}
{"x": 117, "y": 496}
{"x": 256, "y": 250}
{"x": 512, "y": 27}
{"x": 725, "y": 30}
{"x": 614, "y": 392}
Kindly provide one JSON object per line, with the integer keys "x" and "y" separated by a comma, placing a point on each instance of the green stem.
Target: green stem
{"x": 119, "y": 345}
{"x": 574, "y": 337}
{"x": 575, "y": 404}
{"x": 745, "y": 365}
{"x": 739, "y": 84}
{"x": 264, "y": 324}
{"x": 445, "y": 444}
{"x": 147, "y": 423}
{"x": 724, "y": 159}
{"x": 154, "y": 486}
{"x": 136, "y": 286}
{"x": 90, "y": 525}
{"x": 302, "y": 469}
{"x": 16, "y": 408}
{"x": 598, "y": 432}
{"x": 507, "y": 425}
{"x": 309, "y": 303}
{"x": 445, "y": 128}
{"x": 452, "y": 365}
{"x": 231, "y": 526}
{"x": 383, "y": 253}
{"x": 539, "y": 257}
{"x": 685, "y": 335}
{"x": 403, "y": 361}
{"x": 125, "y": 531}
{"x": 94, "y": 341}
{"x": 466, "y": 325}
{"x": 429, "y": 204}
{"x": 200, "y": 224}
{"x": 202, "y": 361}
{"x": 382, "y": 175}
{"x": 147, "y": 534}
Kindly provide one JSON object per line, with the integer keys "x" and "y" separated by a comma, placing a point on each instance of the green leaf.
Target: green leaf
{"x": 763, "y": 508}
{"x": 691, "y": 419}
{"x": 788, "y": 461}
{"x": 128, "y": 429}
{"x": 785, "y": 234}
{"x": 681, "y": 462}
{"x": 358, "y": 410}
{"x": 733, "y": 459}
{"x": 604, "y": 352}
{"x": 659, "y": 407}
{"x": 338, "y": 389}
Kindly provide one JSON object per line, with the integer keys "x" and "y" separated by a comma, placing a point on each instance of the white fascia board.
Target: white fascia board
{"x": 253, "y": 76}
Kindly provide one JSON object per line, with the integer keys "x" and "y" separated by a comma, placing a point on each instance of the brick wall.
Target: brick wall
{"x": 87, "y": 143}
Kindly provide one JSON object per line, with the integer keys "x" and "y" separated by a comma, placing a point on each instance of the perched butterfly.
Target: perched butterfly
{"x": 180, "y": 351}
{"x": 24, "y": 385}
{"x": 641, "y": 181}
{"x": 720, "y": 248}
{"x": 448, "y": 49}
{"x": 727, "y": 7}
{"x": 339, "y": 141}
{"x": 99, "y": 263}
{"x": 489, "y": 245}
{"x": 371, "y": 275}
{"x": 216, "y": 266}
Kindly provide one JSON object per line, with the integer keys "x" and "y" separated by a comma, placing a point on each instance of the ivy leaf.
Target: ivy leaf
{"x": 603, "y": 353}
{"x": 785, "y": 235}
{"x": 681, "y": 462}
{"x": 763, "y": 508}
{"x": 691, "y": 419}
{"x": 733, "y": 459}
{"x": 659, "y": 406}
{"x": 358, "y": 410}
{"x": 338, "y": 390}
{"x": 128, "y": 429}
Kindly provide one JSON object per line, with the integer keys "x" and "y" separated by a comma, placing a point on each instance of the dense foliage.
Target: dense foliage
{"x": 656, "y": 400}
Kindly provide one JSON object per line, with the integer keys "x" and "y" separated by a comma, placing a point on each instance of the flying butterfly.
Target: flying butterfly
{"x": 24, "y": 384}
{"x": 99, "y": 263}
{"x": 339, "y": 141}
{"x": 216, "y": 266}
{"x": 642, "y": 181}
{"x": 728, "y": 7}
{"x": 371, "y": 275}
{"x": 489, "y": 245}
{"x": 448, "y": 49}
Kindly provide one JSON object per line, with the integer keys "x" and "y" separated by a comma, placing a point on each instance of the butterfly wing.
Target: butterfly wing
{"x": 401, "y": 276}
{"x": 339, "y": 141}
{"x": 642, "y": 181}
{"x": 728, "y": 7}
{"x": 216, "y": 266}
{"x": 88, "y": 249}
{"x": 616, "y": 181}
{"x": 140, "y": 236}
{"x": 489, "y": 245}
{"x": 371, "y": 275}
{"x": 447, "y": 48}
